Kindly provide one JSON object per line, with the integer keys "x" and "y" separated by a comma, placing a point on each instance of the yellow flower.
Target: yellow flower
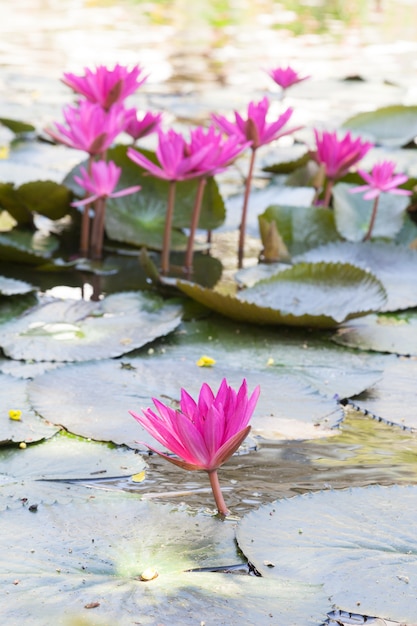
{"x": 205, "y": 361}
{"x": 15, "y": 415}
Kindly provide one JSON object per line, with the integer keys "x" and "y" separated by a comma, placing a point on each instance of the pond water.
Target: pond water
{"x": 212, "y": 56}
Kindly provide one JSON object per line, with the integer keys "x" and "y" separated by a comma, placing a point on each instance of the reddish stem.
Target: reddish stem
{"x": 166, "y": 244}
{"x": 194, "y": 224}
{"x": 97, "y": 235}
{"x": 242, "y": 228}
{"x": 372, "y": 222}
{"x": 85, "y": 222}
{"x": 328, "y": 193}
{"x": 217, "y": 493}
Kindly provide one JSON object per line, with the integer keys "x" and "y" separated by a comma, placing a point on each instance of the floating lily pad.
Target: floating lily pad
{"x": 392, "y": 398}
{"x": 29, "y": 428}
{"x": 395, "y": 266}
{"x": 100, "y": 409}
{"x": 17, "y": 126}
{"x": 22, "y": 246}
{"x": 71, "y": 330}
{"x": 383, "y": 333}
{"x": 303, "y": 227}
{"x": 13, "y": 306}
{"x": 99, "y": 562}
{"x": 359, "y": 544}
{"x": 320, "y": 295}
{"x": 12, "y": 287}
{"x": 392, "y": 126}
{"x": 353, "y": 214}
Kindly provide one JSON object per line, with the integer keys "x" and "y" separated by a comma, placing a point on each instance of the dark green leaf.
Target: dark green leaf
{"x": 46, "y": 197}
{"x": 16, "y": 126}
{"x": 22, "y": 246}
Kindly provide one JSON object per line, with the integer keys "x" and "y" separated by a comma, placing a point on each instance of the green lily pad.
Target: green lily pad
{"x": 12, "y": 287}
{"x": 98, "y": 563}
{"x": 289, "y": 159}
{"x": 21, "y": 246}
{"x": 359, "y": 544}
{"x": 353, "y": 214}
{"x": 303, "y": 227}
{"x": 30, "y": 427}
{"x": 46, "y": 197}
{"x": 101, "y": 410}
{"x": 12, "y": 306}
{"x": 320, "y": 295}
{"x": 71, "y": 330}
{"x": 392, "y": 126}
{"x": 383, "y": 333}
{"x": 394, "y": 265}
{"x": 17, "y": 126}
{"x": 65, "y": 458}
{"x": 392, "y": 398}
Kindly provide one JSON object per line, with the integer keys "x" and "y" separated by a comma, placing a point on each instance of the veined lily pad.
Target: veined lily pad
{"x": 94, "y": 399}
{"x": 13, "y": 306}
{"x": 27, "y": 426}
{"x": 359, "y": 544}
{"x": 100, "y": 562}
{"x": 392, "y": 126}
{"x": 392, "y": 398}
{"x": 353, "y": 214}
{"x": 12, "y": 287}
{"x": 321, "y": 295}
{"x": 395, "y": 266}
{"x": 383, "y": 333}
{"x": 74, "y": 330}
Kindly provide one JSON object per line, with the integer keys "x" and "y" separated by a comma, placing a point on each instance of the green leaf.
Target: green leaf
{"x": 99, "y": 562}
{"x": 17, "y": 126}
{"x": 303, "y": 227}
{"x": 290, "y": 159}
{"x": 393, "y": 265}
{"x": 359, "y": 544}
{"x": 101, "y": 411}
{"x": 321, "y": 295}
{"x": 392, "y": 126}
{"x": 71, "y": 330}
{"x": 13, "y": 287}
{"x": 29, "y": 428}
{"x": 353, "y": 214}
{"x": 383, "y": 333}
{"x": 11, "y": 201}
{"x": 46, "y": 198}
{"x": 22, "y": 246}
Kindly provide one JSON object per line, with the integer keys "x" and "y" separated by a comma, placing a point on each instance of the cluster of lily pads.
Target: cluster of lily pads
{"x": 73, "y": 369}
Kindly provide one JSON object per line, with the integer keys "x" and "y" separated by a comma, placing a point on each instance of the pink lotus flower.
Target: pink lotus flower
{"x": 89, "y": 127}
{"x": 381, "y": 180}
{"x": 338, "y": 155}
{"x": 101, "y": 182}
{"x": 286, "y": 77}
{"x": 204, "y": 434}
{"x": 176, "y": 160}
{"x": 106, "y": 86}
{"x": 255, "y": 127}
{"x": 138, "y": 127}
{"x": 222, "y": 151}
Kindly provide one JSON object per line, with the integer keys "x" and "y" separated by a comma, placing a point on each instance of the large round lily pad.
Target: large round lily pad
{"x": 360, "y": 544}
{"x": 392, "y": 126}
{"x": 94, "y": 399}
{"x": 93, "y": 555}
{"x": 396, "y": 333}
{"x": 320, "y": 295}
{"x": 395, "y": 266}
{"x": 71, "y": 330}
{"x": 28, "y": 427}
{"x": 12, "y": 287}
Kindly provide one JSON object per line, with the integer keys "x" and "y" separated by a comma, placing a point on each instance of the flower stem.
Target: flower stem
{"x": 217, "y": 493}
{"x": 328, "y": 193}
{"x": 166, "y": 244}
{"x": 85, "y": 222}
{"x": 97, "y": 235}
{"x": 194, "y": 224}
{"x": 242, "y": 229}
{"x": 372, "y": 222}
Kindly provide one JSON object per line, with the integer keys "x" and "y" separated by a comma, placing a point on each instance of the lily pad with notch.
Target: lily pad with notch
{"x": 359, "y": 544}
{"x": 124, "y": 562}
